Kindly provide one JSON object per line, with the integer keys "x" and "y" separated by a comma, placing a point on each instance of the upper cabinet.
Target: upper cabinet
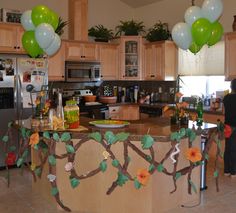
{"x": 56, "y": 65}
{"x": 81, "y": 51}
{"x": 160, "y": 61}
{"x": 230, "y": 56}
{"x": 131, "y": 57}
{"x": 10, "y": 38}
{"x": 109, "y": 58}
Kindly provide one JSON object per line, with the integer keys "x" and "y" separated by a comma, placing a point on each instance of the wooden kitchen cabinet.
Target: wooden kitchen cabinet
{"x": 230, "y": 55}
{"x": 81, "y": 51}
{"x": 10, "y": 38}
{"x": 109, "y": 58}
{"x": 160, "y": 61}
{"x": 131, "y": 57}
{"x": 124, "y": 112}
{"x": 56, "y": 65}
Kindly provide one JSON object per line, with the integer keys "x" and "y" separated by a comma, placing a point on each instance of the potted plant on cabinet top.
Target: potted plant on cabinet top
{"x": 100, "y": 33}
{"x": 130, "y": 28}
{"x": 158, "y": 32}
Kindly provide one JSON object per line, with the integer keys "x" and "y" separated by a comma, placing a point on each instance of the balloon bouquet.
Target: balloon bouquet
{"x": 40, "y": 24}
{"x": 200, "y": 27}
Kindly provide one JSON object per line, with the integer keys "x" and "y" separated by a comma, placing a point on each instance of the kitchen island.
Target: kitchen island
{"x": 101, "y": 177}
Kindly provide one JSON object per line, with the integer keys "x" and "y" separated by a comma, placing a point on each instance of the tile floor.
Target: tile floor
{"x": 20, "y": 198}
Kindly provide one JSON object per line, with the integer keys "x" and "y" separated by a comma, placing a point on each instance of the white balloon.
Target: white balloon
{"x": 192, "y": 14}
{"x": 181, "y": 34}
{"x": 26, "y": 20}
{"x": 44, "y": 35}
{"x": 54, "y": 46}
{"x": 212, "y": 9}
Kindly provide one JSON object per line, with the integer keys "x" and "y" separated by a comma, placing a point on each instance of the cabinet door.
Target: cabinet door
{"x": 129, "y": 112}
{"x": 158, "y": 58}
{"x": 131, "y": 64}
{"x": 90, "y": 52}
{"x": 109, "y": 57}
{"x": 56, "y": 65}
{"x": 230, "y": 55}
{"x": 20, "y": 32}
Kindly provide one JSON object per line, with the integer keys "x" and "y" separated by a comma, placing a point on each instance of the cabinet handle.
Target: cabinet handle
{"x": 152, "y": 76}
{"x": 18, "y": 47}
{"x": 14, "y": 47}
{"x": 113, "y": 110}
{"x": 101, "y": 76}
{"x": 62, "y": 76}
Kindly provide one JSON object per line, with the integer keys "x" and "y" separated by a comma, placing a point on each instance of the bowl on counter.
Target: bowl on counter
{"x": 108, "y": 99}
{"x": 90, "y": 98}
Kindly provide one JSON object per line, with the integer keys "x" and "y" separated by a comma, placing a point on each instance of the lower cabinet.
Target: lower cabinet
{"x": 124, "y": 112}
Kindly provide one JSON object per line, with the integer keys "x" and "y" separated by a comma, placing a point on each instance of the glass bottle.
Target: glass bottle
{"x": 60, "y": 111}
{"x": 71, "y": 111}
{"x": 199, "y": 113}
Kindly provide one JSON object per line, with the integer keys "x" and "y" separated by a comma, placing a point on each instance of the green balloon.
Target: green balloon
{"x": 30, "y": 44}
{"x": 216, "y": 33}
{"x": 54, "y": 20}
{"x": 41, "y": 14}
{"x": 194, "y": 48}
{"x": 201, "y": 31}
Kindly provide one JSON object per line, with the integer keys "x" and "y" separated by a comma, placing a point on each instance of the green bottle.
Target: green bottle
{"x": 199, "y": 113}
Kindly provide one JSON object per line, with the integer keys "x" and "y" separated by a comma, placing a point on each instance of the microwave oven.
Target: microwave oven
{"x": 82, "y": 71}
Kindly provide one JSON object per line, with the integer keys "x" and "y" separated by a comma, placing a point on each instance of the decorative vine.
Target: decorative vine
{"x": 44, "y": 143}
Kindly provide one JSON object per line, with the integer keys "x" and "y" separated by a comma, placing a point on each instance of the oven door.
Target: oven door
{"x": 77, "y": 73}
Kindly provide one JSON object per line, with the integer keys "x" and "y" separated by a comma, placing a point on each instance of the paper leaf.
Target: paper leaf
{"x": 103, "y": 166}
{"x": 128, "y": 158}
{"x": 193, "y": 186}
{"x": 123, "y": 136}
{"x": 122, "y": 179}
{"x": 173, "y": 136}
{"x": 151, "y": 167}
{"x": 115, "y": 163}
{"x": 149, "y": 158}
{"x": 25, "y": 154}
{"x": 23, "y": 132}
{"x": 96, "y": 136}
{"x": 5, "y": 138}
{"x": 54, "y": 191}
{"x": 56, "y": 136}
{"x": 52, "y": 160}
{"x": 178, "y": 175}
{"x": 137, "y": 185}
{"x": 38, "y": 171}
{"x": 74, "y": 182}
{"x": 70, "y": 149}
{"x": 28, "y": 133}
{"x": 65, "y": 137}
{"x": 36, "y": 147}
{"x": 147, "y": 141}
{"x": 46, "y": 135}
{"x": 19, "y": 162}
{"x": 192, "y": 136}
{"x": 206, "y": 156}
{"x": 160, "y": 168}
{"x": 182, "y": 132}
{"x": 10, "y": 124}
{"x": 12, "y": 148}
{"x": 216, "y": 174}
{"x": 110, "y": 137}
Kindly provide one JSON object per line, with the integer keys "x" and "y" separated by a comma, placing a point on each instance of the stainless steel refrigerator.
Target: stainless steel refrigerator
{"x": 15, "y": 102}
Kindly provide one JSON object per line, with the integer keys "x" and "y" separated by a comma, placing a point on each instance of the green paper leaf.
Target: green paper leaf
{"x": 206, "y": 156}
{"x": 56, "y": 136}
{"x": 182, "y": 132}
{"x": 110, "y": 137}
{"x": 23, "y": 132}
{"x": 173, "y": 136}
{"x": 38, "y": 171}
{"x": 96, "y": 136}
{"x": 70, "y": 149}
{"x": 137, "y": 185}
{"x": 178, "y": 175}
{"x": 36, "y": 147}
{"x": 54, "y": 191}
{"x": 46, "y": 135}
{"x": 218, "y": 142}
{"x": 216, "y": 174}
{"x": 25, "y": 154}
{"x": 151, "y": 167}
{"x": 19, "y": 162}
{"x": 147, "y": 141}
{"x": 52, "y": 160}
{"x": 122, "y": 179}
{"x": 193, "y": 186}
{"x": 103, "y": 166}
{"x": 149, "y": 158}
{"x": 5, "y": 138}
{"x": 10, "y": 124}
{"x": 65, "y": 137}
{"x": 12, "y": 148}
{"x": 192, "y": 136}
{"x": 128, "y": 158}
{"x": 74, "y": 182}
{"x": 160, "y": 168}
{"x": 28, "y": 133}
{"x": 115, "y": 163}
{"x": 123, "y": 136}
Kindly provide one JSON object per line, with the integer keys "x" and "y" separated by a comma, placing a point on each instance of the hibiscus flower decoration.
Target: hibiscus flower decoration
{"x": 143, "y": 176}
{"x": 227, "y": 131}
{"x": 34, "y": 139}
{"x": 193, "y": 154}
{"x": 10, "y": 159}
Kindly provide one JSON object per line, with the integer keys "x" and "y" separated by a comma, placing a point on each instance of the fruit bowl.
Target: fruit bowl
{"x": 108, "y": 99}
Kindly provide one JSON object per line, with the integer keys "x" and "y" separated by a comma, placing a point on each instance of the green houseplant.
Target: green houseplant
{"x": 130, "y": 28}
{"x": 60, "y": 27}
{"x": 100, "y": 33}
{"x": 158, "y": 32}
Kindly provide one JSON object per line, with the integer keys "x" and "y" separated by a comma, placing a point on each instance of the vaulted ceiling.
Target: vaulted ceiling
{"x": 138, "y": 3}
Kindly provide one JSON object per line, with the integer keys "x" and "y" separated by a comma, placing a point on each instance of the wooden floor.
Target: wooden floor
{"x": 20, "y": 198}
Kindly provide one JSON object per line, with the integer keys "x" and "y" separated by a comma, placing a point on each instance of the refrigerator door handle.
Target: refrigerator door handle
{"x": 15, "y": 92}
{"x": 20, "y": 98}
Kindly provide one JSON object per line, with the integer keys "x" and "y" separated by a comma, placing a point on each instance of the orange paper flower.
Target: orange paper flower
{"x": 227, "y": 131}
{"x": 193, "y": 154}
{"x": 143, "y": 176}
{"x": 34, "y": 139}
